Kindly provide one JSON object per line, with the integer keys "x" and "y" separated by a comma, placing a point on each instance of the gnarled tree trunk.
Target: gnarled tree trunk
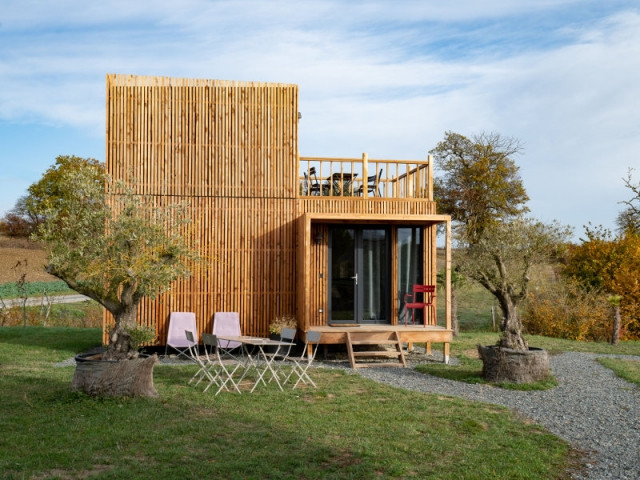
{"x": 119, "y": 340}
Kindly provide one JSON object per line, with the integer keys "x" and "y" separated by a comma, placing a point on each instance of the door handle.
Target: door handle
{"x": 355, "y": 277}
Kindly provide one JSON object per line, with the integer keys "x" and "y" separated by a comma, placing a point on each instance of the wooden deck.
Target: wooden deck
{"x": 386, "y": 336}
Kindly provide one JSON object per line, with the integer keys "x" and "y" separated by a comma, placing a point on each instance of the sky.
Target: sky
{"x": 384, "y": 77}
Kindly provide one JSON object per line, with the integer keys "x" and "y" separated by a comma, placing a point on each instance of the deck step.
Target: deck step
{"x": 376, "y": 353}
{"x": 376, "y": 365}
{"x": 367, "y": 339}
{"x": 373, "y": 342}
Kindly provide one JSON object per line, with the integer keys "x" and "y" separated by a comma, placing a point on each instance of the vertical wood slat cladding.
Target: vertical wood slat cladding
{"x": 229, "y": 149}
{"x": 187, "y": 137}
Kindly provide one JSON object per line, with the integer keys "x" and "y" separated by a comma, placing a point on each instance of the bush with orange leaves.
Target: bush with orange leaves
{"x": 611, "y": 265}
{"x": 564, "y": 309}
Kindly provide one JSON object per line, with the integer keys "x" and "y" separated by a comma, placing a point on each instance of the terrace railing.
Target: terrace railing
{"x": 365, "y": 178}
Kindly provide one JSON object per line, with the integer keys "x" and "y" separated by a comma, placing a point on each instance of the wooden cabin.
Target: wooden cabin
{"x": 337, "y": 242}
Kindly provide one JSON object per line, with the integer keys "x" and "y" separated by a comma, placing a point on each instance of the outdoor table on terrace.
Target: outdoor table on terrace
{"x": 342, "y": 182}
{"x": 262, "y": 363}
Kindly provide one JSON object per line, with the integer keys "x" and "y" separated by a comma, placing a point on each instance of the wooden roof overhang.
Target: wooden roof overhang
{"x": 304, "y": 245}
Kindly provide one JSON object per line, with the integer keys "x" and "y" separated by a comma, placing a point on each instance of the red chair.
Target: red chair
{"x": 428, "y": 300}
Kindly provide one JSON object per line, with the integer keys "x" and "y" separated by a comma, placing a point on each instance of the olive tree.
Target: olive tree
{"x": 496, "y": 245}
{"x": 501, "y": 261}
{"x": 108, "y": 243}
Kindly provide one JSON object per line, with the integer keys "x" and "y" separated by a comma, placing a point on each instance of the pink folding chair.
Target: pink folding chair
{"x": 227, "y": 324}
{"x": 176, "y": 338}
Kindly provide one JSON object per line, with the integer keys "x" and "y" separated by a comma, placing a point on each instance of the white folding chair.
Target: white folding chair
{"x": 176, "y": 339}
{"x": 227, "y": 324}
{"x": 221, "y": 373}
{"x": 302, "y": 364}
{"x": 281, "y": 355}
{"x": 203, "y": 371}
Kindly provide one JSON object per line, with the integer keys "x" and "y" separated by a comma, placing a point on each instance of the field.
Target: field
{"x": 32, "y": 260}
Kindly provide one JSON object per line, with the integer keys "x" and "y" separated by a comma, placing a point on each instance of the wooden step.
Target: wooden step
{"x": 375, "y": 353}
{"x": 373, "y": 342}
{"x": 375, "y": 365}
{"x": 365, "y": 338}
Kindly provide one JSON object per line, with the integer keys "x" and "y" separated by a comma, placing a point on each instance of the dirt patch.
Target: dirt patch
{"x": 17, "y": 250}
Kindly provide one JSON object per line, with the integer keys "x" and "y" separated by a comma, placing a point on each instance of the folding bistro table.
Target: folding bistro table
{"x": 262, "y": 362}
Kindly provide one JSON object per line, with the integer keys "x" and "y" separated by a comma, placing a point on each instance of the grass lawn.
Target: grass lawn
{"x": 349, "y": 427}
{"x": 627, "y": 369}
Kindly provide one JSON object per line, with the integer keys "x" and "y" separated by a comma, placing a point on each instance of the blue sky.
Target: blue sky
{"x": 383, "y": 77}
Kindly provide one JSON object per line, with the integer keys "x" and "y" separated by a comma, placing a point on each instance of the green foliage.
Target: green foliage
{"x": 140, "y": 334}
{"x": 501, "y": 261}
{"x": 482, "y": 191}
{"x": 104, "y": 240}
{"x": 481, "y": 186}
{"x": 32, "y": 289}
{"x": 55, "y": 192}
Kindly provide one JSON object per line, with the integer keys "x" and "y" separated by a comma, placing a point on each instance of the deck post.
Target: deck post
{"x": 365, "y": 175}
{"x": 447, "y": 276}
{"x": 430, "y": 177}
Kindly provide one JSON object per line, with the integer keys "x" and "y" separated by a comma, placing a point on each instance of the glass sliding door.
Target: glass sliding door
{"x": 375, "y": 276}
{"x": 359, "y": 282}
{"x": 343, "y": 275}
{"x": 409, "y": 266}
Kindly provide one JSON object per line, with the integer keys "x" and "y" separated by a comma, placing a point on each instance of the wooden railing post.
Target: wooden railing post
{"x": 365, "y": 175}
{"x": 430, "y": 177}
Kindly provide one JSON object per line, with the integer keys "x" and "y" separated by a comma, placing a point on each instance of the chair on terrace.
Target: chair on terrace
{"x": 315, "y": 187}
{"x": 412, "y": 302}
{"x": 373, "y": 184}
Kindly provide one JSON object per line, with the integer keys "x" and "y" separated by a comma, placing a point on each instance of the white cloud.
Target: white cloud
{"x": 386, "y": 78}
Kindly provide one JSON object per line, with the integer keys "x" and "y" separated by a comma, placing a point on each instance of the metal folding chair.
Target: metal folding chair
{"x": 281, "y": 354}
{"x": 302, "y": 364}
{"x": 221, "y": 373}
{"x": 203, "y": 371}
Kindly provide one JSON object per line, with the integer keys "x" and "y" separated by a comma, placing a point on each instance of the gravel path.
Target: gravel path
{"x": 592, "y": 408}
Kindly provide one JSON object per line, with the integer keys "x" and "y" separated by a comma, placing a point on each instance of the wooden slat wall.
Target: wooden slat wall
{"x": 229, "y": 149}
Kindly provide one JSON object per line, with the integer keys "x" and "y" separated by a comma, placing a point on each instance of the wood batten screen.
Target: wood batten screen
{"x": 229, "y": 150}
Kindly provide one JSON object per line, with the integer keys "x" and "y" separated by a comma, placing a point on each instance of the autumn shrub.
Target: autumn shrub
{"x": 563, "y": 309}
{"x": 611, "y": 264}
